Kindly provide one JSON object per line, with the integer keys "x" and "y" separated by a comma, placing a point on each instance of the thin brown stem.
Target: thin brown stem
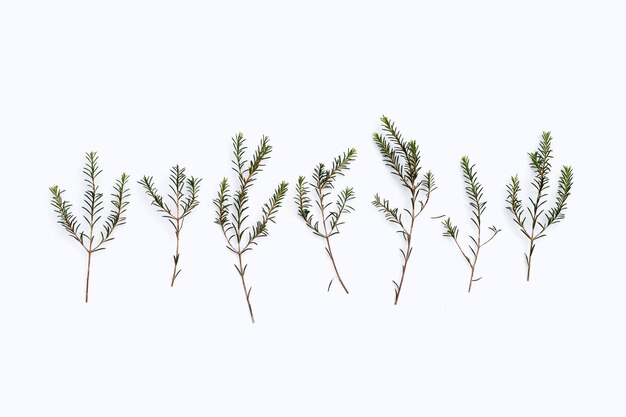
{"x": 245, "y": 288}
{"x": 332, "y": 258}
{"x": 178, "y": 226}
{"x": 473, "y": 265}
{"x": 88, "y": 272}
{"x": 469, "y": 289}
{"x": 530, "y": 254}
{"x": 175, "y": 274}
{"x": 407, "y": 254}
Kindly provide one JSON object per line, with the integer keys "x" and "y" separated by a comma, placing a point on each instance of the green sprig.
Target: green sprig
{"x": 474, "y": 192}
{"x": 92, "y": 212}
{"x": 183, "y": 198}
{"x": 404, "y": 161}
{"x": 330, "y": 219}
{"x": 535, "y": 213}
{"x": 231, "y": 211}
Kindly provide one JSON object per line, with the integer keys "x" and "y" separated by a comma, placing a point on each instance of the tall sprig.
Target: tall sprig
{"x": 474, "y": 191}
{"x": 92, "y": 212}
{"x": 231, "y": 211}
{"x": 323, "y": 183}
{"x": 403, "y": 159}
{"x": 535, "y": 212}
{"x": 184, "y": 198}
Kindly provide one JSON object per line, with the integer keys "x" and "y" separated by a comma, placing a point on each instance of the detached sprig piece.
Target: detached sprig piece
{"x": 231, "y": 212}
{"x": 330, "y": 218}
{"x": 183, "y": 197}
{"x": 403, "y": 158}
{"x": 540, "y": 219}
{"x": 92, "y": 212}
{"x": 474, "y": 191}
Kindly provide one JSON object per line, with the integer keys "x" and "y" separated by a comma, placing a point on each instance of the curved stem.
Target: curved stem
{"x": 530, "y": 254}
{"x": 332, "y": 258}
{"x": 177, "y": 229}
{"x": 176, "y": 256}
{"x": 245, "y": 288}
{"x": 88, "y": 272}
{"x": 407, "y": 254}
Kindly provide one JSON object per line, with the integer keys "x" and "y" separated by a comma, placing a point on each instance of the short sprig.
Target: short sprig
{"x": 474, "y": 192}
{"x": 329, "y": 220}
{"x": 231, "y": 210}
{"x": 182, "y": 199}
{"x": 404, "y": 161}
{"x": 92, "y": 208}
{"x": 535, "y": 213}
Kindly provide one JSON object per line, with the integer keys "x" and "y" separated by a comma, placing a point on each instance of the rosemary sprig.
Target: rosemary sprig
{"x": 92, "y": 208}
{"x": 183, "y": 197}
{"x": 323, "y": 182}
{"x": 403, "y": 158}
{"x": 231, "y": 211}
{"x": 474, "y": 191}
{"x": 540, "y": 220}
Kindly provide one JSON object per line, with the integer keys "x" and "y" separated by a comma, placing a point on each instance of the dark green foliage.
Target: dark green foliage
{"x": 231, "y": 211}
{"x": 474, "y": 191}
{"x": 183, "y": 198}
{"x": 403, "y": 159}
{"x": 535, "y": 213}
{"x": 92, "y": 211}
{"x": 330, "y": 218}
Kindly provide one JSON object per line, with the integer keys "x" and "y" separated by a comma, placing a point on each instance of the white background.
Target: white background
{"x": 152, "y": 84}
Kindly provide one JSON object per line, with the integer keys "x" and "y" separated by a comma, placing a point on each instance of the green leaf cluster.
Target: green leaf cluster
{"x": 92, "y": 208}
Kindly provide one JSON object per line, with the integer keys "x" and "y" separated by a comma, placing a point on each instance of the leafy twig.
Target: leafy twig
{"x": 231, "y": 210}
{"x": 92, "y": 209}
{"x": 474, "y": 191}
{"x": 183, "y": 197}
{"x": 540, "y": 220}
{"x": 403, "y": 159}
{"x": 323, "y": 182}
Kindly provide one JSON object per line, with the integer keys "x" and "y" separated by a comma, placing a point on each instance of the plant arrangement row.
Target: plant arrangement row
{"x": 322, "y": 209}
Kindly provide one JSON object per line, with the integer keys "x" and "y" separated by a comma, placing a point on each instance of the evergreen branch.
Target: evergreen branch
{"x": 177, "y": 184}
{"x": 269, "y": 213}
{"x": 427, "y": 186}
{"x": 452, "y": 231}
{"x": 515, "y": 204}
{"x": 404, "y": 160}
{"x": 391, "y": 214}
{"x": 65, "y": 217}
{"x": 303, "y": 202}
{"x": 474, "y": 192}
{"x": 184, "y": 197}
{"x": 116, "y": 217}
{"x": 323, "y": 182}
{"x": 190, "y": 202}
{"x": 92, "y": 208}
{"x": 345, "y": 196}
{"x": 222, "y": 211}
{"x": 391, "y": 157}
{"x": 156, "y": 199}
{"x": 231, "y": 212}
{"x": 246, "y": 177}
{"x": 92, "y": 198}
{"x": 341, "y": 163}
{"x": 557, "y": 213}
{"x": 540, "y": 164}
